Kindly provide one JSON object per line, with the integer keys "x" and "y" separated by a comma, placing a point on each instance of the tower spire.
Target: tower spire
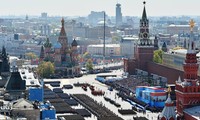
{"x": 62, "y": 21}
{"x": 42, "y": 53}
{"x": 144, "y": 15}
{"x": 62, "y": 32}
{"x": 191, "y": 23}
{"x": 191, "y": 66}
{"x": 144, "y": 29}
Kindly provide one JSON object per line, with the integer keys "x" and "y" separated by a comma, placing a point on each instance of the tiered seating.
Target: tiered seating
{"x": 131, "y": 83}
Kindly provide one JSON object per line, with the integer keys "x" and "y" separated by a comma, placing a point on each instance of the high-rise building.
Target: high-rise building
{"x": 44, "y": 15}
{"x": 118, "y": 14}
{"x": 94, "y": 17}
{"x": 45, "y": 29}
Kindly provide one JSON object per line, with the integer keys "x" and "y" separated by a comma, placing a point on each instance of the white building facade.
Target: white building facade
{"x": 127, "y": 46}
{"x": 110, "y": 49}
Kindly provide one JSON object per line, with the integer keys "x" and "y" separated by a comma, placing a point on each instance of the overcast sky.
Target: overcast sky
{"x": 83, "y": 7}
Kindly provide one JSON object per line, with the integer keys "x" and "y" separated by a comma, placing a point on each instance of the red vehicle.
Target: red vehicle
{"x": 98, "y": 92}
{"x": 91, "y": 87}
{"x": 84, "y": 87}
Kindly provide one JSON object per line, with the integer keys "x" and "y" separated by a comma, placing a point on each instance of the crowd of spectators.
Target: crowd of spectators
{"x": 131, "y": 83}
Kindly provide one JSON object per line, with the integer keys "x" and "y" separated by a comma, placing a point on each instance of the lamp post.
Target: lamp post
{"x": 104, "y": 42}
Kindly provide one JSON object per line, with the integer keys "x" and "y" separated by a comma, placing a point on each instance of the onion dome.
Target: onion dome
{"x": 47, "y": 44}
{"x": 74, "y": 43}
{"x": 57, "y": 45}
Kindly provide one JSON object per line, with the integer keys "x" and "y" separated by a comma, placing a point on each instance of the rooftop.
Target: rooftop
{"x": 29, "y": 78}
{"x": 173, "y": 25}
{"x": 194, "y": 111}
{"x": 107, "y": 45}
{"x": 181, "y": 52}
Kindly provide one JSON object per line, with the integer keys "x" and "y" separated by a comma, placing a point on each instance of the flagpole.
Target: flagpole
{"x": 104, "y": 42}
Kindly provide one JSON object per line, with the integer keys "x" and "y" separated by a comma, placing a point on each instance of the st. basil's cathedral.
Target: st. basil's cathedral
{"x": 64, "y": 56}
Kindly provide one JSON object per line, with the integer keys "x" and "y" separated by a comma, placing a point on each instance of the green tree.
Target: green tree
{"x": 31, "y": 55}
{"x": 45, "y": 69}
{"x": 157, "y": 57}
{"x": 89, "y": 64}
{"x": 86, "y": 55}
{"x": 160, "y": 53}
{"x": 116, "y": 39}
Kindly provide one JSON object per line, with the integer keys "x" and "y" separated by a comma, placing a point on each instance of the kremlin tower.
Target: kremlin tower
{"x": 188, "y": 90}
{"x": 145, "y": 48}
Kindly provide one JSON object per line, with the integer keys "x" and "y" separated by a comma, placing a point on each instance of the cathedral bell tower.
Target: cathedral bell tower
{"x": 63, "y": 41}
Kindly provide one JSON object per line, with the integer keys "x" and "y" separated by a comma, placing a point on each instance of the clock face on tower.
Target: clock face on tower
{"x": 145, "y": 35}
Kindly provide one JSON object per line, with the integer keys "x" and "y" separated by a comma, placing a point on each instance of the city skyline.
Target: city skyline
{"x": 83, "y": 8}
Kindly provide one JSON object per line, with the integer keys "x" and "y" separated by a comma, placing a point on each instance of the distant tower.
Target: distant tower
{"x": 164, "y": 47}
{"x": 44, "y": 15}
{"x": 5, "y": 67}
{"x": 42, "y": 54}
{"x": 47, "y": 45}
{"x": 168, "y": 113}
{"x": 156, "y": 43}
{"x": 26, "y": 17}
{"x": 74, "y": 52}
{"x": 188, "y": 91}
{"x": 185, "y": 44}
{"x": 47, "y": 50}
{"x": 118, "y": 14}
{"x": 144, "y": 50}
{"x": 74, "y": 57}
